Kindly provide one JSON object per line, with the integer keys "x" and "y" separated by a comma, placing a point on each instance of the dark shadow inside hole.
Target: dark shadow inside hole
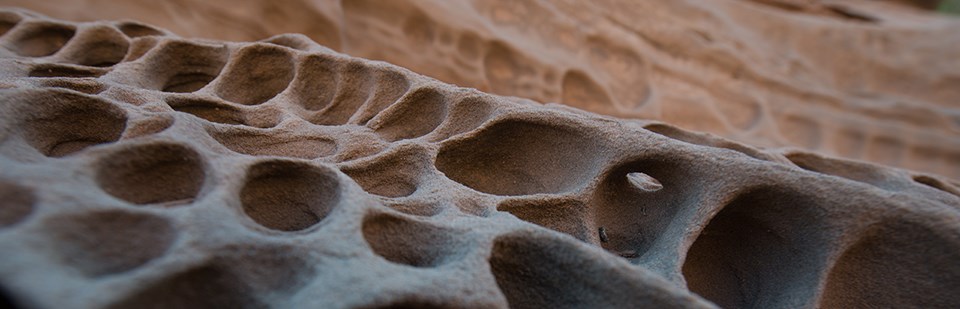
{"x": 134, "y": 30}
{"x": 763, "y": 250}
{"x": 6, "y": 301}
{"x": 187, "y": 82}
{"x": 936, "y": 184}
{"x": 209, "y": 110}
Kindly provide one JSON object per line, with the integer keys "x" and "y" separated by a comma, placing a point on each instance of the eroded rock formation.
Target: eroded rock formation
{"x": 140, "y": 169}
{"x": 872, "y": 80}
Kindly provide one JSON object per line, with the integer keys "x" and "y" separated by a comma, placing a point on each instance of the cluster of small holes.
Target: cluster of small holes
{"x": 531, "y": 167}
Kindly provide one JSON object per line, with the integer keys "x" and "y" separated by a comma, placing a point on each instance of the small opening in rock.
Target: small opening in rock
{"x": 289, "y": 195}
{"x": 153, "y": 173}
{"x": 209, "y": 110}
{"x": 59, "y": 123}
{"x": 133, "y": 30}
{"x": 187, "y": 82}
{"x": 935, "y": 183}
{"x": 408, "y": 242}
{"x": 42, "y": 39}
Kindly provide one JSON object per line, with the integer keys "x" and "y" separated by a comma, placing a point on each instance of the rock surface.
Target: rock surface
{"x": 141, "y": 169}
{"x": 873, "y": 80}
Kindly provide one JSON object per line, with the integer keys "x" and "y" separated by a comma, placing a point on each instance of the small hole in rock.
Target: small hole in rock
{"x": 289, "y": 195}
{"x": 534, "y": 270}
{"x": 209, "y": 110}
{"x": 393, "y": 175}
{"x": 170, "y": 174}
{"x": 188, "y": 82}
{"x": 58, "y": 123}
{"x": 16, "y": 203}
{"x": 416, "y": 114}
{"x": 87, "y": 86}
{"x": 295, "y": 41}
{"x": 936, "y": 184}
{"x": 408, "y": 242}
{"x": 103, "y": 54}
{"x": 258, "y": 73}
{"x": 202, "y": 287}
{"x": 149, "y": 126}
{"x": 566, "y": 215}
{"x": 134, "y": 29}
{"x": 354, "y": 82}
{"x": 41, "y": 39}
{"x": 762, "y": 250}
{"x": 897, "y": 264}
{"x": 519, "y": 157}
{"x": 108, "y": 242}
{"x": 179, "y": 66}
{"x": 390, "y": 86}
{"x": 8, "y": 20}
{"x": 276, "y": 143}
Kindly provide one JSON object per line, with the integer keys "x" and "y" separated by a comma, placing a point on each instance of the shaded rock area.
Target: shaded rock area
{"x": 142, "y": 169}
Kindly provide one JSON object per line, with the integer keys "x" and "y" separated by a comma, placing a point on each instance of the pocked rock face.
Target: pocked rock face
{"x": 871, "y": 80}
{"x": 140, "y": 169}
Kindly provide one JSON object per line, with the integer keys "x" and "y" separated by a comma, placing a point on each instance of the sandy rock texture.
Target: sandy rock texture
{"x": 871, "y": 80}
{"x": 139, "y": 169}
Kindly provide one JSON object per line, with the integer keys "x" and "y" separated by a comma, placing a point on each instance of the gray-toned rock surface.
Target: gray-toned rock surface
{"x": 140, "y": 169}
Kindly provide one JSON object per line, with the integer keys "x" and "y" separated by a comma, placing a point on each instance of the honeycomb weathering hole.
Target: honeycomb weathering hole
{"x": 852, "y": 170}
{"x": 152, "y": 173}
{"x": 408, "y": 242}
{"x": 393, "y": 175}
{"x": 702, "y": 139}
{"x": 637, "y": 201}
{"x": 135, "y": 30}
{"x": 289, "y": 195}
{"x": 16, "y": 203}
{"x": 8, "y": 20}
{"x": 209, "y": 286}
{"x": 209, "y": 110}
{"x": 110, "y": 241}
{"x": 102, "y": 47}
{"x": 563, "y": 215}
{"x": 279, "y": 144}
{"x": 897, "y": 264}
{"x": 258, "y": 73}
{"x": 516, "y": 157}
{"x": 41, "y": 39}
{"x": 540, "y": 271}
{"x": 317, "y": 81}
{"x": 763, "y": 250}
{"x": 355, "y": 84}
{"x": 59, "y": 123}
{"x": 936, "y": 184}
{"x": 415, "y": 115}
{"x": 184, "y": 66}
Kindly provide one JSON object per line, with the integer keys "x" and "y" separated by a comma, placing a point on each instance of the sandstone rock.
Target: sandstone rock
{"x": 141, "y": 169}
{"x": 872, "y": 80}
